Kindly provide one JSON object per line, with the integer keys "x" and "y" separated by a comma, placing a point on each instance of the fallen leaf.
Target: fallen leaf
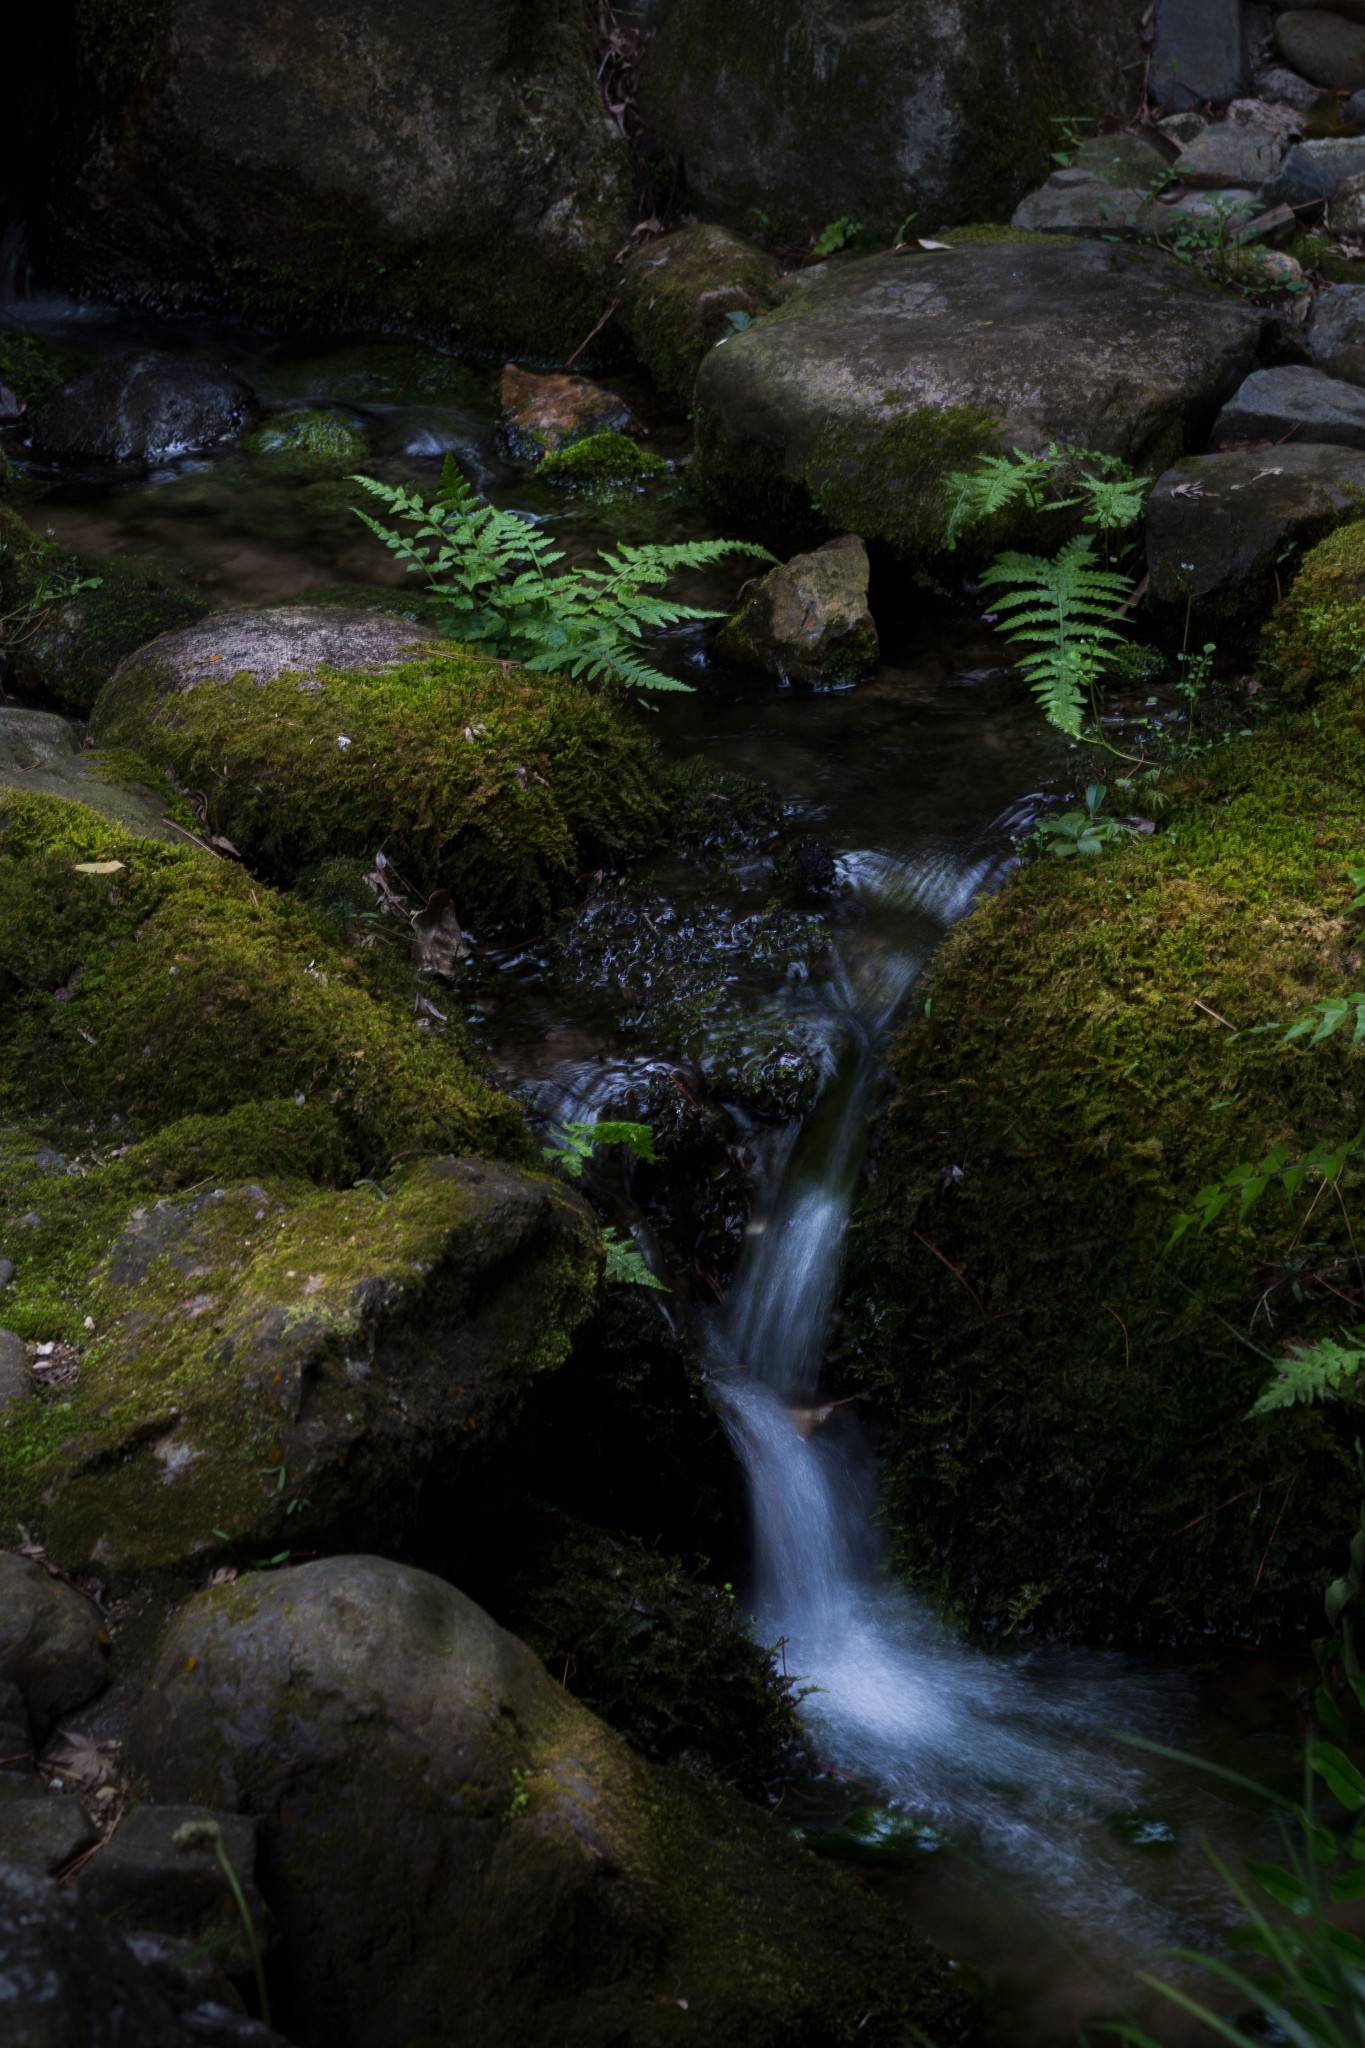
{"x": 99, "y": 867}
{"x": 438, "y": 942}
{"x": 1192, "y": 490}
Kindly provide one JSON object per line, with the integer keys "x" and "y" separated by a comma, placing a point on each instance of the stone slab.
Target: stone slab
{"x": 1199, "y": 53}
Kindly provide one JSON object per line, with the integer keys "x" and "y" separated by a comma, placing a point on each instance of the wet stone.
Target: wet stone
{"x": 52, "y": 1640}
{"x": 147, "y": 408}
{"x": 545, "y": 413}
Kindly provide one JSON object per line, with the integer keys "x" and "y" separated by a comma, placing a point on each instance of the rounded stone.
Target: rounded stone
{"x": 1327, "y": 48}
{"x": 144, "y": 409}
{"x": 52, "y": 1640}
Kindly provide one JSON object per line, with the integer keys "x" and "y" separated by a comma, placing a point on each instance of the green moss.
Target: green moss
{"x": 1316, "y": 638}
{"x": 1069, "y": 1441}
{"x": 982, "y": 234}
{"x": 66, "y": 641}
{"x": 176, "y": 987}
{"x": 1317, "y": 253}
{"x": 679, "y": 293}
{"x": 499, "y": 786}
{"x": 602, "y": 459}
{"x": 885, "y": 479}
{"x": 33, "y": 366}
{"x": 307, "y": 443}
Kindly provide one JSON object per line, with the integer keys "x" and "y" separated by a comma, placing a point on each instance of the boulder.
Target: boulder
{"x": 832, "y": 108}
{"x": 70, "y": 619}
{"x": 679, "y": 294}
{"x": 275, "y": 1364}
{"x": 324, "y": 732}
{"x": 1311, "y": 171}
{"x": 1294, "y": 402}
{"x": 1277, "y": 84}
{"x": 45, "y": 1832}
{"x": 1336, "y": 332}
{"x": 1220, "y": 527}
{"x": 40, "y": 754}
{"x": 1327, "y": 48}
{"x": 448, "y": 170}
{"x": 1199, "y": 52}
{"x": 52, "y": 1641}
{"x": 65, "y": 1980}
{"x": 453, "y": 1847}
{"x": 888, "y": 373}
{"x": 1081, "y": 201}
{"x": 1124, "y": 159}
{"x": 1346, "y": 208}
{"x": 144, "y": 409}
{"x": 1228, "y": 155}
{"x": 159, "y": 1872}
{"x": 808, "y": 621}
{"x": 541, "y": 414}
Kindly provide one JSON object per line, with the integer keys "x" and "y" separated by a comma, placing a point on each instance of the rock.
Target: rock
{"x": 1352, "y": 10}
{"x": 1346, "y": 208}
{"x": 1326, "y": 48}
{"x": 1355, "y": 111}
{"x": 143, "y": 409}
{"x": 67, "y": 1982}
{"x": 1278, "y": 84}
{"x": 1276, "y": 118}
{"x": 1311, "y": 171}
{"x": 308, "y": 443}
{"x": 46, "y": 1832}
{"x": 454, "y": 1847}
{"x": 39, "y": 753}
{"x": 1081, "y": 202}
{"x": 843, "y": 109}
{"x": 1124, "y": 159}
{"x": 6, "y": 1272}
{"x": 603, "y": 459}
{"x": 1336, "y": 332}
{"x": 285, "y": 719}
{"x": 461, "y": 178}
{"x": 1292, "y": 401}
{"x": 1199, "y": 53}
{"x": 71, "y": 618}
{"x": 543, "y": 413}
{"x": 16, "y": 1381}
{"x": 1228, "y": 155}
{"x": 678, "y": 295}
{"x": 52, "y": 1641}
{"x": 892, "y": 371}
{"x": 326, "y": 1354}
{"x": 1218, "y": 525}
{"x": 1183, "y": 127}
{"x": 159, "y": 1873}
{"x": 808, "y": 621}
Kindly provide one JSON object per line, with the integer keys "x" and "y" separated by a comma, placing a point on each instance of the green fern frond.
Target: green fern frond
{"x": 991, "y": 486}
{"x": 1064, "y": 610}
{"x": 497, "y": 579}
{"x": 1310, "y": 1372}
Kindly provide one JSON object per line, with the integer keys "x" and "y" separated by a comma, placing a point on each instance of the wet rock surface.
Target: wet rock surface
{"x": 146, "y": 409}
{"x": 686, "y": 291}
{"x": 1293, "y": 402}
{"x": 40, "y": 753}
{"x": 543, "y": 413}
{"x": 808, "y": 620}
{"x": 891, "y": 371}
{"x": 1218, "y": 525}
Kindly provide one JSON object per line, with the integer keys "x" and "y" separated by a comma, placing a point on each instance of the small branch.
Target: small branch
{"x": 1215, "y": 1016}
{"x": 593, "y": 336}
{"x": 961, "y": 1278}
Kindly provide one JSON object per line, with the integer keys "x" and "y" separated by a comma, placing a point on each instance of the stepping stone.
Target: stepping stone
{"x": 1217, "y": 524}
{"x": 1292, "y": 403}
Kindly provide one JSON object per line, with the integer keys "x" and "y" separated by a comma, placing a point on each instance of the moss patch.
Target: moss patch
{"x": 308, "y": 444}
{"x": 1068, "y": 1446}
{"x": 1316, "y": 639}
{"x": 499, "y": 786}
{"x": 885, "y": 480}
{"x": 602, "y": 459}
{"x": 32, "y": 366}
{"x": 679, "y": 293}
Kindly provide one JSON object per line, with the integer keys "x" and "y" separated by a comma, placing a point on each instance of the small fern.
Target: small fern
{"x": 1066, "y": 611}
{"x": 500, "y": 589}
{"x": 1279, "y": 1168}
{"x": 991, "y": 486}
{"x": 1111, "y": 498}
{"x": 1312, "y": 1371}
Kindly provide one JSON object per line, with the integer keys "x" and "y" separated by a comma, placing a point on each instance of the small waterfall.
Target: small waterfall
{"x": 1006, "y": 1754}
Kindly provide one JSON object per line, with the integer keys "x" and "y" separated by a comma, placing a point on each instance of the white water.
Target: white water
{"x": 1010, "y": 1755}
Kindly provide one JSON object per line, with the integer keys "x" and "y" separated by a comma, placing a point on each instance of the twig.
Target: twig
{"x": 591, "y": 337}
{"x": 961, "y": 1278}
{"x": 1109, "y": 1309}
{"x": 1273, "y": 1534}
{"x": 1230, "y": 1502}
{"x": 1215, "y": 1016}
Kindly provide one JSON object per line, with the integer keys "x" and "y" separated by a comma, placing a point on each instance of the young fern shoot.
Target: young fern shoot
{"x": 500, "y": 589}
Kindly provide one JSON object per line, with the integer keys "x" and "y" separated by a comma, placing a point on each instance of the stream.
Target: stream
{"x": 989, "y": 1792}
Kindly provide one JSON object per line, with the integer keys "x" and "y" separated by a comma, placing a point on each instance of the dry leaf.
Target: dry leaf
{"x": 99, "y": 867}
{"x": 438, "y": 942}
{"x": 922, "y": 242}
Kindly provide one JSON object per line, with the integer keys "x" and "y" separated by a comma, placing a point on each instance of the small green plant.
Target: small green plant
{"x": 493, "y": 575}
{"x": 1065, "y": 612}
{"x": 835, "y": 235}
{"x": 625, "y": 1266}
{"x": 1071, "y": 133}
{"x": 1086, "y": 831}
{"x": 53, "y": 586}
{"x": 202, "y": 1834}
{"x": 1279, "y": 1168}
{"x": 1310, "y": 1372}
{"x": 520, "y": 1797}
{"x": 573, "y": 1144}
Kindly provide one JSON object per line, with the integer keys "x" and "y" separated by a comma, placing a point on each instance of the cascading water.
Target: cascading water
{"x": 1008, "y": 1756}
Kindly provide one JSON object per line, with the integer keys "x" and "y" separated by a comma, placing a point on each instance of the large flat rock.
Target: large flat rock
{"x": 1218, "y": 524}
{"x": 887, "y": 373}
{"x": 1293, "y": 403}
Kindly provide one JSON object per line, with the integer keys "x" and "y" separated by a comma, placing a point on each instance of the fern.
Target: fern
{"x": 1066, "y": 611}
{"x": 1111, "y": 497}
{"x": 498, "y": 582}
{"x": 573, "y": 1144}
{"x": 1324, "y": 1019}
{"x": 992, "y": 486}
{"x": 1246, "y": 1184}
{"x": 625, "y": 1266}
{"x": 1311, "y": 1372}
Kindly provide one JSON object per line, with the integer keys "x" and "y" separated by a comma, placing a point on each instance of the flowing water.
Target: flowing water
{"x": 989, "y": 1792}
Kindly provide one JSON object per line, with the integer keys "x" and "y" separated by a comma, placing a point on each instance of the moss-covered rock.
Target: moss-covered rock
{"x": 308, "y": 443}
{"x": 808, "y": 619}
{"x": 32, "y": 365}
{"x": 40, "y": 756}
{"x": 662, "y": 1656}
{"x": 1069, "y": 1443}
{"x": 70, "y": 619}
{"x": 1316, "y": 638}
{"x": 602, "y": 459}
{"x": 456, "y": 1849}
{"x": 323, "y": 733}
{"x": 679, "y": 293}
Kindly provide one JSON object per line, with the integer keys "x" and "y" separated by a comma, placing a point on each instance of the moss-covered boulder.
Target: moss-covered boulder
{"x": 33, "y": 365}
{"x": 264, "y": 1362}
{"x": 1069, "y": 1443}
{"x": 861, "y": 394}
{"x": 679, "y": 293}
{"x": 308, "y": 443}
{"x": 40, "y": 756}
{"x": 1316, "y": 638}
{"x": 462, "y": 178}
{"x": 70, "y": 619}
{"x": 455, "y": 1849}
{"x": 602, "y": 459}
{"x": 322, "y": 732}
{"x": 836, "y": 108}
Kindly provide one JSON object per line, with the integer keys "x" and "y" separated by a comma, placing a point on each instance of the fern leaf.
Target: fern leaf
{"x": 1311, "y": 1372}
